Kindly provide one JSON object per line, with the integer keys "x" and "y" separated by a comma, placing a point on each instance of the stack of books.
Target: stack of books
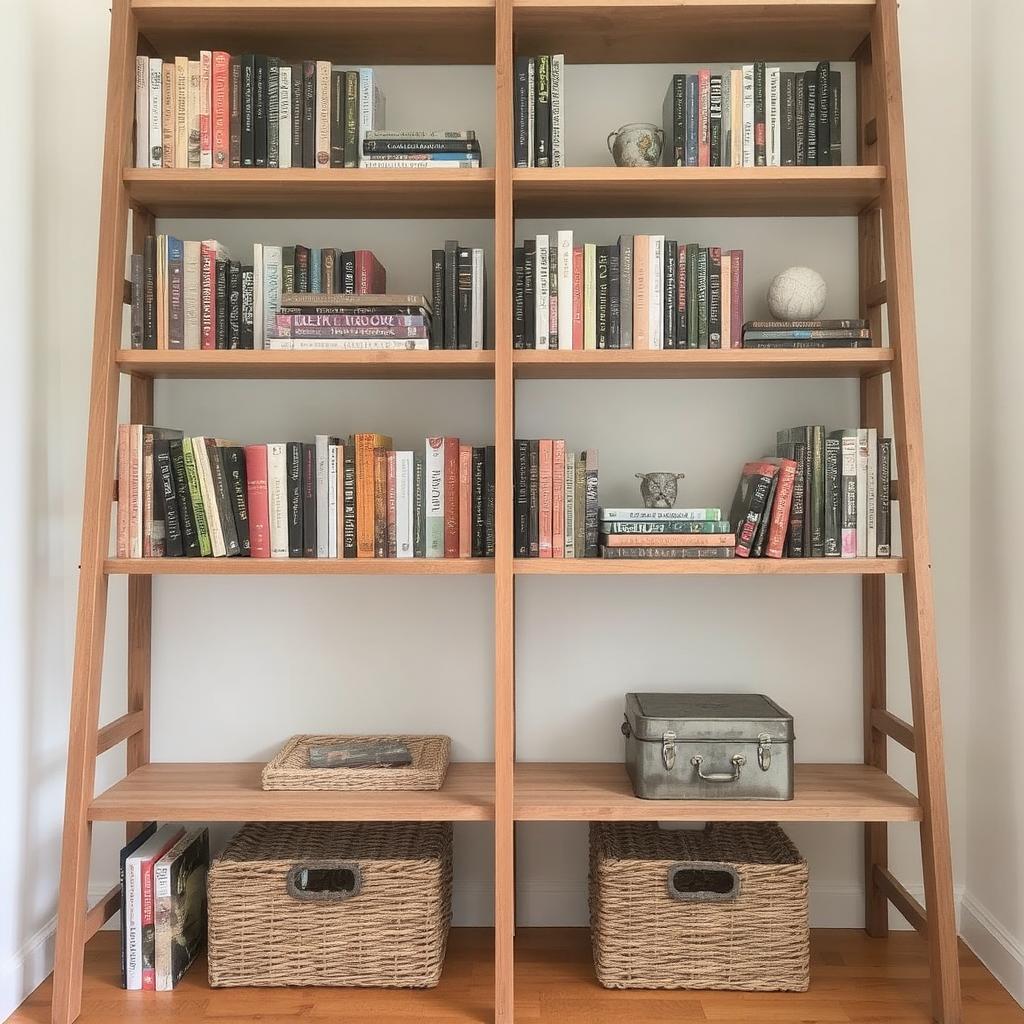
{"x": 665, "y": 533}
{"x": 309, "y": 322}
{"x": 202, "y": 496}
{"x": 252, "y": 110}
{"x": 826, "y": 494}
{"x": 539, "y": 111}
{"x": 163, "y": 905}
{"x": 431, "y": 150}
{"x": 554, "y": 494}
{"x": 643, "y": 292}
{"x": 458, "y": 279}
{"x": 807, "y": 334}
{"x": 754, "y": 116}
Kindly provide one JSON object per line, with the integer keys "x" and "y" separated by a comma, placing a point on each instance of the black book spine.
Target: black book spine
{"x": 273, "y": 112}
{"x": 787, "y": 119}
{"x": 590, "y": 507}
{"x": 221, "y": 322}
{"x": 309, "y": 113}
{"x": 757, "y": 548}
{"x": 419, "y": 507}
{"x": 835, "y": 107}
{"x": 238, "y": 491}
{"x": 403, "y": 147}
{"x": 542, "y": 112}
{"x": 703, "y": 332}
{"x": 293, "y": 454}
{"x": 670, "y": 294}
{"x": 222, "y": 496}
{"x": 883, "y": 517}
{"x": 437, "y": 298}
{"x": 297, "y": 90}
{"x": 553, "y": 299}
{"x": 247, "y": 337}
{"x": 137, "y": 264}
{"x": 533, "y": 490}
{"x": 248, "y": 127}
{"x": 800, "y": 119}
{"x": 797, "y": 451}
{"x": 337, "y": 117}
{"x": 602, "y": 296}
{"x": 715, "y": 89}
{"x": 149, "y": 292}
{"x": 347, "y": 272}
{"x": 816, "y": 447}
{"x": 521, "y": 499}
{"x": 675, "y": 114}
{"x": 309, "y": 500}
{"x": 490, "y": 482}
{"x": 750, "y": 515}
{"x": 163, "y": 485}
{"x": 518, "y": 298}
{"x": 464, "y": 314}
{"x": 833, "y": 491}
{"x": 529, "y": 293}
{"x": 352, "y": 119}
{"x": 810, "y": 118}
{"x": 614, "y": 300}
{"x": 234, "y": 339}
{"x": 478, "y": 532}
{"x": 186, "y": 518}
{"x": 302, "y": 269}
{"x": 348, "y": 497}
{"x": 260, "y": 95}
{"x": 760, "y": 151}
{"x": 522, "y": 106}
{"x": 824, "y": 134}
{"x": 451, "y": 292}
{"x": 235, "y": 112}
{"x": 714, "y": 298}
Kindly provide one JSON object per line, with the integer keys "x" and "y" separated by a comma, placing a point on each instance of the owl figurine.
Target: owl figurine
{"x": 659, "y": 490}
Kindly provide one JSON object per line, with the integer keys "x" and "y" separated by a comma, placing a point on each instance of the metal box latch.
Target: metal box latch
{"x": 668, "y": 750}
{"x": 764, "y": 751}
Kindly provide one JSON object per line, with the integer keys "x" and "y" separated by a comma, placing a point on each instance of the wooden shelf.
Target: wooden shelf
{"x": 667, "y": 31}
{"x": 356, "y": 32}
{"x": 705, "y": 566}
{"x": 267, "y": 365}
{"x": 352, "y": 192}
{"x": 694, "y": 191}
{"x": 299, "y": 566}
{"x": 699, "y": 364}
{"x": 602, "y": 792}
{"x": 231, "y": 792}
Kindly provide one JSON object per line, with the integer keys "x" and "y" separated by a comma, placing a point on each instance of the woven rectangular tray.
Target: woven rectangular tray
{"x": 290, "y": 768}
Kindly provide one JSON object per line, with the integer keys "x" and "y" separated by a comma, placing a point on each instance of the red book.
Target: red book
{"x": 371, "y": 277}
{"x": 148, "y": 917}
{"x": 220, "y": 107}
{"x": 736, "y": 297}
{"x": 558, "y": 499}
{"x": 451, "y": 497}
{"x": 208, "y": 295}
{"x": 465, "y": 500}
{"x": 544, "y": 499}
{"x": 779, "y": 524}
{"x": 392, "y": 537}
{"x": 258, "y": 499}
{"x": 704, "y": 117}
{"x": 577, "y": 297}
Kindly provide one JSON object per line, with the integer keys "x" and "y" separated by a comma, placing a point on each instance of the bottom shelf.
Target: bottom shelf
{"x": 853, "y": 978}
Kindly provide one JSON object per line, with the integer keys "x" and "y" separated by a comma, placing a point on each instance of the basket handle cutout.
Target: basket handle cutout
{"x": 703, "y": 882}
{"x": 324, "y": 881}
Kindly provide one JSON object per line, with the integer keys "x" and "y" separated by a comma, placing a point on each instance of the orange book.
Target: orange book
{"x": 366, "y": 489}
{"x": 465, "y": 500}
{"x": 668, "y": 540}
{"x": 544, "y": 499}
{"x": 641, "y": 291}
{"x": 451, "y": 497}
{"x": 558, "y": 499}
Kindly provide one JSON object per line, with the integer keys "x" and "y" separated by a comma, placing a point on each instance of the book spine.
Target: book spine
{"x": 351, "y": 151}
{"x": 196, "y": 497}
{"x": 437, "y": 298}
{"x": 871, "y": 497}
{"x": 391, "y": 506}
{"x": 557, "y": 110}
{"x": 682, "y": 298}
{"x": 704, "y": 118}
{"x": 833, "y": 497}
{"x": 666, "y": 552}
{"x": 667, "y": 528}
{"x": 138, "y": 293}
{"x": 602, "y": 332}
{"x": 273, "y": 112}
{"x": 544, "y": 507}
{"x": 464, "y": 303}
{"x": 580, "y": 507}
{"x": 234, "y": 305}
{"x": 715, "y": 120}
{"x": 565, "y": 288}
{"x": 558, "y": 499}
{"x": 247, "y": 123}
{"x": 365, "y": 491}
{"x": 285, "y": 93}
{"x": 222, "y": 496}
{"x": 404, "y": 505}
{"x": 521, "y": 499}
{"x": 322, "y": 115}
{"x": 625, "y": 249}
{"x": 155, "y": 133}
{"x": 435, "y": 497}
{"x": 235, "y": 112}
{"x": 257, "y": 499}
{"x": 674, "y": 122}
{"x": 614, "y": 298}
{"x": 133, "y": 929}
{"x": 205, "y": 108}
{"x": 835, "y": 101}
{"x": 787, "y": 142}
{"x": 810, "y": 118}
{"x": 799, "y": 120}
{"x": 238, "y": 496}
{"x": 186, "y": 516}
{"x": 569, "y": 482}
{"x": 518, "y": 297}
{"x": 760, "y": 129}
{"x": 168, "y": 500}
{"x": 848, "y": 469}
{"x": 521, "y": 153}
{"x": 692, "y": 123}
{"x": 277, "y": 499}
{"x": 168, "y": 112}
{"x": 725, "y": 299}
{"x": 490, "y": 490}
{"x": 669, "y": 299}
{"x": 779, "y": 524}
{"x": 773, "y": 117}
{"x": 419, "y": 506}
{"x": 478, "y": 297}
{"x": 761, "y": 534}
{"x": 465, "y": 500}
{"x": 451, "y": 497}
{"x": 824, "y": 117}
{"x": 736, "y": 295}
{"x": 451, "y": 291}
{"x": 884, "y": 515}
{"x": 748, "y": 116}
{"x": 703, "y": 327}
{"x": 757, "y": 505}
{"x": 531, "y": 109}
{"x": 590, "y": 504}
{"x": 542, "y": 112}
{"x": 533, "y": 490}
{"x": 348, "y": 497}
{"x": 142, "y": 158}
{"x": 577, "y": 296}
{"x": 309, "y": 502}
{"x": 714, "y": 297}
{"x": 542, "y": 294}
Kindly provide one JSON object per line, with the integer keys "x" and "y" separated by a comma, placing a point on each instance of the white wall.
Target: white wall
{"x": 239, "y": 665}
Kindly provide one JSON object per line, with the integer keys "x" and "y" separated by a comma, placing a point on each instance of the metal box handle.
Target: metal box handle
{"x": 737, "y": 761}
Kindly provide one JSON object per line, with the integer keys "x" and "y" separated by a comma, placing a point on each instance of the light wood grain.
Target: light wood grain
{"x": 708, "y": 566}
{"x": 120, "y": 729}
{"x": 888, "y": 724}
{"x": 299, "y": 566}
{"x": 602, "y": 792}
{"x": 695, "y": 191}
{"x": 896, "y": 894}
{"x": 340, "y": 192}
{"x": 232, "y": 792}
{"x": 266, "y": 365}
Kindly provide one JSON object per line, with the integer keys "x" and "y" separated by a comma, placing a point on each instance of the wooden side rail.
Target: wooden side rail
{"x": 102, "y": 911}
{"x": 119, "y": 730}
{"x": 898, "y": 896}
{"x": 894, "y": 727}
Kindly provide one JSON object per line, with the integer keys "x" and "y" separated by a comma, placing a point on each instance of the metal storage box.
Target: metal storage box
{"x": 708, "y": 746}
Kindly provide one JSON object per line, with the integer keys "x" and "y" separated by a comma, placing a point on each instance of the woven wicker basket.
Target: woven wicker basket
{"x": 725, "y": 908}
{"x": 331, "y": 904}
{"x": 290, "y": 769}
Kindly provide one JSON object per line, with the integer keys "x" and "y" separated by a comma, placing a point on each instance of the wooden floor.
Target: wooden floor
{"x": 854, "y": 980}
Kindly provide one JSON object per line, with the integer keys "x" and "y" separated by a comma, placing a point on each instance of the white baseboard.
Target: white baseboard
{"x": 994, "y": 946}
{"x": 26, "y": 969}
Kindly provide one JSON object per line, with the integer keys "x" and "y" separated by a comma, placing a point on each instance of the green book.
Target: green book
{"x": 196, "y": 494}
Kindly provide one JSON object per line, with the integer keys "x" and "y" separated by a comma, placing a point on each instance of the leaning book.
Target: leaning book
{"x": 179, "y": 879}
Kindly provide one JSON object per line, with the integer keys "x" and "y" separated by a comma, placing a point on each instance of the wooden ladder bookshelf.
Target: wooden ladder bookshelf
{"x": 485, "y": 32}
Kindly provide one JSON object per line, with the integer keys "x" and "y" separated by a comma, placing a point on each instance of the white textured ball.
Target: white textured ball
{"x": 797, "y": 294}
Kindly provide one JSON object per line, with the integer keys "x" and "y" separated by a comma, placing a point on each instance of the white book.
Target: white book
{"x": 570, "y": 505}
{"x": 142, "y": 112}
{"x": 773, "y": 116}
{"x": 736, "y": 117}
{"x": 163, "y": 913}
{"x": 277, "y": 499}
{"x": 284, "y": 114}
{"x": 872, "y": 493}
{"x": 542, "y": 292}
{"x": 530, "y": 112}
{"x": 748, "y": 115}
{"x": 192, "y": 291}
{"x": 478, "y": 299}
{"x": 862, "y": 493}
{"x": 348, "y": 344}
{"x": 272, "y": 274}
{"x": 371, "y": 108}
{"x": 332, "y": 501}
{"x": 135, "y": 504}
{"x": 403, "y": 503}
{"x": 209, "y": 493}
{"x": 194, "y": 95}
{"x": 656, "y": 307}
{"x": 434, "y": 482}
{"x": 257, "y": 296}
{"x": 558, "y": 113}
{"x": 205, "y": 102}
{"x": 156, "y": 104}
{"x": 180, "y": 112}
{"x": 322, "y": 443}
{"x": 564, "y": 289}
{"x": 323, "y": 115}
{"x": 848, "y": 448}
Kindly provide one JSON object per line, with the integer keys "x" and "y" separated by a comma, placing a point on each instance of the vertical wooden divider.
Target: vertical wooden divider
{"x": 504, "y": 583}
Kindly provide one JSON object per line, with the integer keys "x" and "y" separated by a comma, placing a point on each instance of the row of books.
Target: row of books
{"x": 824, "y": 494}
{"x": 539, "y": 111}
{"x": 252, "y": 110}
{"x": 643, "y": 291}
{"x": 163, "y": 905}
{"x": 754, "y": 116}
{"x": 201, "y": 496}
{"x": 852, "y": 333}
{"x": 555, "y": 507}
{"x": 192, "y": 295}
{"x": 458, "y": 281}
{"x": 665, "y": 533}
{"x": 433, "y": 150}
